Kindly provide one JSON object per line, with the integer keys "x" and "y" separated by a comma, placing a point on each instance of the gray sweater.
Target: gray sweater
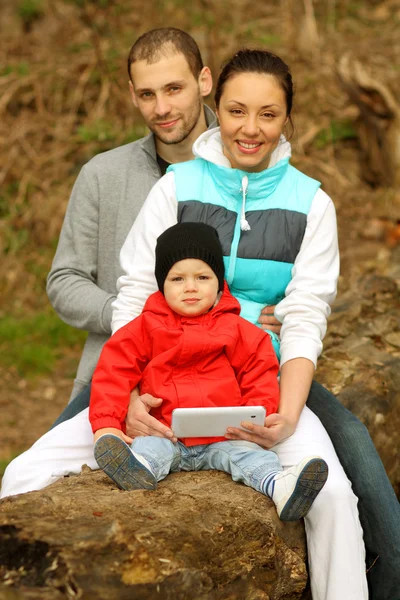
{"x": 105, "y": 201}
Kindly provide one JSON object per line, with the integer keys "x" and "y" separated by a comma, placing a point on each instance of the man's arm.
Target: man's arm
{"x": 72, "y": 282}
{"x": 268, "y": 321}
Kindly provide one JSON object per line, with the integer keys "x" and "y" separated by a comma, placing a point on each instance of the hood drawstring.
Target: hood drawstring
{"x": 244, "y": 224}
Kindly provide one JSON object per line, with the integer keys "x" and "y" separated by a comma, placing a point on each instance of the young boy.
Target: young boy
{"x": 191, "y": 348}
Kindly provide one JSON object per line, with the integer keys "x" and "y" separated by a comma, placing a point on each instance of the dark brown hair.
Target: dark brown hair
{"x": 152, "y": 45}
{"x": 257, "y": 61}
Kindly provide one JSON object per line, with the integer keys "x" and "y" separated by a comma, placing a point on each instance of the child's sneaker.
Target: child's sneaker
{"x": 124, "y": 467}
{"x": 295, "y": 489}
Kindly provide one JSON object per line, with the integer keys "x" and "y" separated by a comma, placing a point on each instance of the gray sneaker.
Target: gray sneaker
{"x": 120, "y": 463}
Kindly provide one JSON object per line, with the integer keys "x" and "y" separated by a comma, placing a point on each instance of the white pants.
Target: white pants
{"x": 335, "y": 544}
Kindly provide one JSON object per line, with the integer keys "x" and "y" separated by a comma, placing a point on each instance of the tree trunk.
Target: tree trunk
{"x": 198, "y": 536}
{"x": 378, "y": 123}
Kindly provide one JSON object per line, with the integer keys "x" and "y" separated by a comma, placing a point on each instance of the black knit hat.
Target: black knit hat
{"x": 188, "y": 240}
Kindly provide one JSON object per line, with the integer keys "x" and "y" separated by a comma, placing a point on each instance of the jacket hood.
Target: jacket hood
{"x": 209, "y": 147}
{"x": 157, "y": 304}
{"x": 250, "y": 186}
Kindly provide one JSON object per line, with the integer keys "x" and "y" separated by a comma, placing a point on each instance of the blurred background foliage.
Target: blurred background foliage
{"x": 64, "y": 97}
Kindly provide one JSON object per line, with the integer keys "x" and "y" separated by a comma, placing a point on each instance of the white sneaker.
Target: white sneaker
{"x": 296, "y": 488}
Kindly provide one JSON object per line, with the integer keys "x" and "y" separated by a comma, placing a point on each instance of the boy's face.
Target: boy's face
{"x": 191, "y": 287}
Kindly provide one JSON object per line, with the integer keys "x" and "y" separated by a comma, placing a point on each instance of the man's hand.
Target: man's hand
{"x": 276, "y": 428}
{"x": 114, "y": 431}
{"x": 140, "y": 422}
{"x": 268, "y": 320}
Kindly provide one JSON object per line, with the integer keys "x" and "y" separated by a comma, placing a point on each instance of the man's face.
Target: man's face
{"x": 168, "y": 96}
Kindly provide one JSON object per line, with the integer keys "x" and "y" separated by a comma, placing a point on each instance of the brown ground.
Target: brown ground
{"x": 42, "y": 147}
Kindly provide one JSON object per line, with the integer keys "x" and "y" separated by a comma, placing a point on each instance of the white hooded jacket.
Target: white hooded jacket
{"x": 306, "y": 306}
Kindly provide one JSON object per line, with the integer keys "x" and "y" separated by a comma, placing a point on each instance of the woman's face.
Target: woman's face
{"x": 252, "y": 115}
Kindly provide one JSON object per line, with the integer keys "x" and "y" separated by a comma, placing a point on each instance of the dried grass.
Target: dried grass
{"x": 64, "y": 98}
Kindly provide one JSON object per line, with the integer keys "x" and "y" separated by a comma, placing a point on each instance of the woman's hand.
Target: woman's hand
{"x": 140, "y": 422}
{"x": 276, "y": 428}
{"x": 268, "y": 321}
{"x": 114, "y": 431}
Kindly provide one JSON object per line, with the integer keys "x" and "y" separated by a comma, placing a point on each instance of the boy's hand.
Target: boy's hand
{"x": 114, "y": 431}
{"x": 140, "y": 422}
{"x": 268, "y": 320}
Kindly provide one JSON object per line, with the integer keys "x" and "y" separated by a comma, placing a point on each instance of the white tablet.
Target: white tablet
{"x": 214, "y": 421}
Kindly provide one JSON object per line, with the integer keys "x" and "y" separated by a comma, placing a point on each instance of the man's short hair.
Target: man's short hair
{"x": 154, "y": 43}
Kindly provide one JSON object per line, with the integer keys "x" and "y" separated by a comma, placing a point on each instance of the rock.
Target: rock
{"x": 373, "y": 285}
{"x": 393, "y": 338}
{"x": 198, "y": 536}
{"x": 8, "y": 594}
{"x": 361, "y": 361}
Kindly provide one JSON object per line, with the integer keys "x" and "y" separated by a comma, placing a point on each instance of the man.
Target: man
{"x": 168, "y": 82}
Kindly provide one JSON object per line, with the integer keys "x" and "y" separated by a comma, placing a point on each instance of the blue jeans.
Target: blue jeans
{"x": 77, "y": 405}
{"x": 245, "y": 461}
{"x": 378, "y": 506}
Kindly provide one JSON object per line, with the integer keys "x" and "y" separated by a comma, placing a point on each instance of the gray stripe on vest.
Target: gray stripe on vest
{"x": 276, "y": 234}
{"x": 220, "y": 218}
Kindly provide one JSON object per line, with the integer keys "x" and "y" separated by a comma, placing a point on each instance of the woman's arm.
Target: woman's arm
{"x": 312, "y": 287}
{"x": 295, "y": 383}
{"x": 303, "y": 313}
{"x": 306, "y": 306}
{"x": 140, "y": 423}
{"x": 138, "y": 252}
{"x": 138, "y": 261}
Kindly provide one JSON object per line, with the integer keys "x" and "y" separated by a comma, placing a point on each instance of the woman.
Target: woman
{"x": 278, "y": 233}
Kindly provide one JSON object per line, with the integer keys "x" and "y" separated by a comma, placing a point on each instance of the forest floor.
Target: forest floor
{"x": 63, "y": 98}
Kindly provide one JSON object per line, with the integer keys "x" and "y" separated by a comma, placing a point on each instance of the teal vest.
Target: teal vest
{"x": 258, "y": 262}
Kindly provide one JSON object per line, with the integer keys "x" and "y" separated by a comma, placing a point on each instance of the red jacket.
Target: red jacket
{"x": 215, "y": 359}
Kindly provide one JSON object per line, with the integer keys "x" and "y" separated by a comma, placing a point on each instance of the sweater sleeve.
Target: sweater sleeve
{"x": 306, "y": 306}
{"x": 256, "y": 367}
{"x": 72, "y": 282}
{"x": 138, "y": 252}
{"x": 117, "y": 373}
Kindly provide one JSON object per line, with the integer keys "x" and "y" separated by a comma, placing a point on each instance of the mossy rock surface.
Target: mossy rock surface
{"x": 198, "y": 536}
